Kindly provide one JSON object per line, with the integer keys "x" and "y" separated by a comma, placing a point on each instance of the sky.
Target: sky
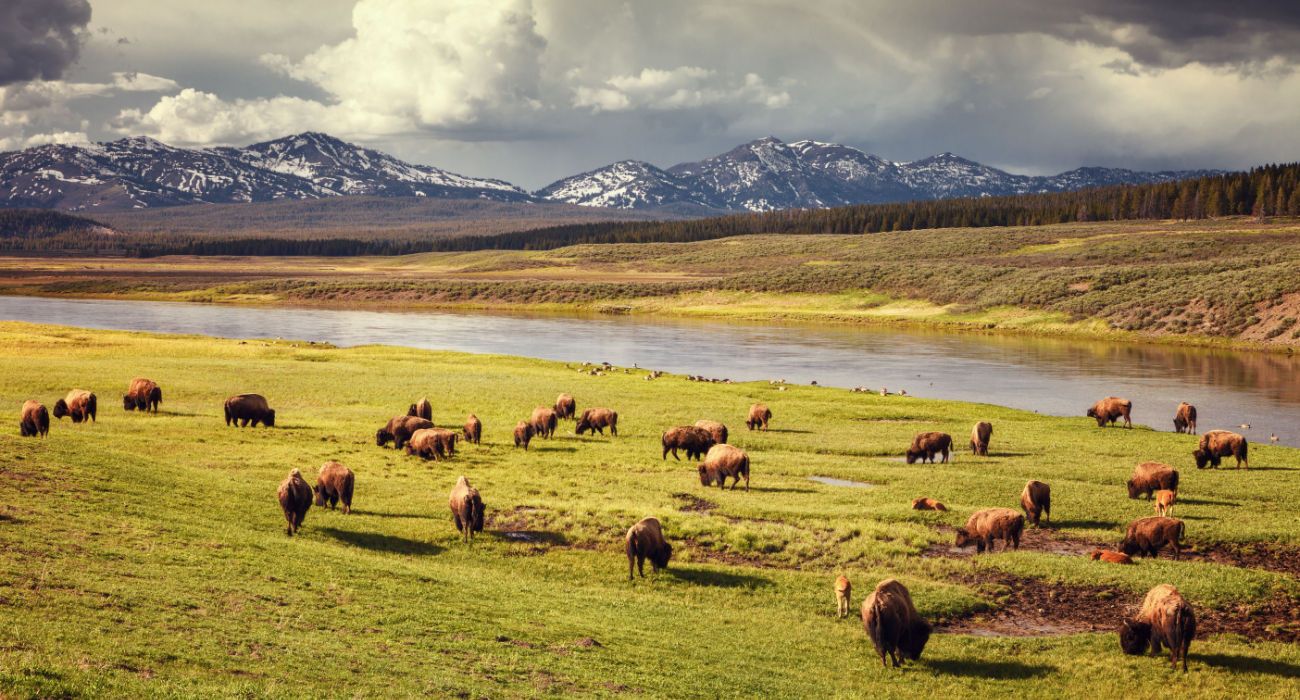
{"x": 533, "y": 90}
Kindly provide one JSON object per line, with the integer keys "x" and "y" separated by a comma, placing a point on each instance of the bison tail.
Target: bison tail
{"x": 91, "y": 407}
{"x": 156, "y": 395}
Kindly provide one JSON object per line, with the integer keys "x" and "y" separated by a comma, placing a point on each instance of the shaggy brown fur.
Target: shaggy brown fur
{"x": 249, "y": 408}
{"x": 1036, "y": 501}
{"x": 400, "y": 429}
{"x": 1185, "y": 418}
{"x": 432, "y": 443}
{"x": 334, "y": 483}
{"x": 1111, "y": 409}
{"x": 1149, "y": 477}
{"x": 759, "y": 415}
{"x": 523, "y": 434}
{"x": 645, "y": 540}
{"x": 1111, "y": 557}
{"x": 544, "y": 421}
{"x": 925, "y": 446}
{"x": 927, "y": 504}
{"x": 891, "y": 620}
{"x": 843, "y": 594}
{"x": 34, "y": 419}
{"x": 473, "y": 430}
{"x": 596, "y": 420}
{"x": 142, "y": 395}
{"x": 1147, "y": 536}
{"x": 1165, "y": 618}
{"x": 467, "y": 509}
{"x": 724, "y": 461}
{"x": 295, "y": 500}
{"x": 421, "y": 409}
{"x": 79, "y": 405}
{"x": 695, "y": 441}
{"x": 717, "y": 430}
{"x": 979, "y": 438}
{"x": 986, "y": 526}
{"x": 565, "y": 406}
{"x": 1218, "y": 444}
{"x": 1165, "y": 500}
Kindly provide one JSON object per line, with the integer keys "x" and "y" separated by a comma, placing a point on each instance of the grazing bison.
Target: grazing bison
{"x": 1149, "y": 477}
{"x": 986, "y": 526}
{"x": 473, "y": 431}
{"x": 1214, "y": 446}
{"x": 565, "y": 407}
{"x": 334, "y": 483}
{"x": 432, "y": 443}
{"x": 400, "y": 429}
{"x": 843, "y": 592}
{"x": 1111, "y": 409}
{"x": 249, "y": 408}
{"x": 926, "y": 445}
{"x": 1185, "y": 418}
{"x": 523, "y": 434}
{"x": 466, "y": 509}
{"x": 893, "y": 624}
{"x": 724, "y": 461}
{"x": 717, "y": 430}
{"x": 421, "y": 409}
{"x": 1165, "y": 500}
{"x": 596, "y": 420}
{"x": 295, "y": 500}
{"x": 1036, "y": 501}
{"x": 695, "y": 441}
{"x": 1147, "y": 536}
{"x": 1111, "y": 557}
{"x": 544, "y": 421}
{"x": 645, "y": 540}
{"x": 927, "y": 504}
{"x": 1165, "y": 618}
{"x": 142, "y": 395}
{"x": 79, "y": 405}
{"x": 759, "y": 415}
{"x": 34, "y": 419}
{"x": 979, "y": 438}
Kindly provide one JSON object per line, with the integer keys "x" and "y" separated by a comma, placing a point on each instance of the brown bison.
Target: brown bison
{"x": 717, "y": 430}
{"x": 1111, "y": 409}
{"x": 1036, "y": 501}
{"x": 1185, "y": 418}
{"x": 34, "y": 419}
{"x": 979, "y": 438}
{"x": 1147, "y": 536}
{"x": 759, "y": 415}
{"x": 893, "y": 624}
{"x": 724, "y": 461}
{"x": 927, "y": 504}
{"x": 695, "y": 441}
{"x": 1149, "y": 477}
{"x": 249, "y": 408}
{"x": 400, "y": 429}
{"x": 473, "y": 430}
{"x": 565, "y": 407}
{"x": 544, "y": 421}
{"x": 596, "y": 420}
{"x": 1111, "y": 557}
{"x": 295, "y": 500}
{"x": 334, "y": 483}
{"x": 79, "y": 405}
{"x": 421, "y": 409}
{"x": 843, "y": 593}
{"x": 467, "y": 509}
{"x": 432, "y": 443}
{"x": 645, "y": 540}
{"x": 142, "y": 395}
{"x": 1165, "y": 500}
{"x": 1215, "y": 445}
{"x": 986, "y": 526}
{"x": 1165, "y": 618}
{"x": 925, "y": 446}
{"x": 523, "y": 434}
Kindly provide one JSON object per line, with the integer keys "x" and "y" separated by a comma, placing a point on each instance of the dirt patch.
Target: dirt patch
{"x": 1277, "y": 558}
{"x": 694, "y": 504}
{"x": 1033, "y": 539}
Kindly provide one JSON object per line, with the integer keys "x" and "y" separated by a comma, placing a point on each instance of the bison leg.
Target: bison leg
{"x": 613, "y": 429}
{"x": 630, "y": 566}
{"x": 640, "y": 565}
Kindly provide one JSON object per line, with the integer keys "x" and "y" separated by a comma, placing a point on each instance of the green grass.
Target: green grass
{"x": 145, "y": 555}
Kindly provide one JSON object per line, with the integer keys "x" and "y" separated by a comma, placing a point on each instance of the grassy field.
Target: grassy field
{"x": 145, "y": 555}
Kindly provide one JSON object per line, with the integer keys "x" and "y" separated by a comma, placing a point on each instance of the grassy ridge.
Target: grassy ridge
{"x": 145, "y": 555}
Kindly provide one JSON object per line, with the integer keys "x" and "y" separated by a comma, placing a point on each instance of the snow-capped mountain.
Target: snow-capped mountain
{"x": 627, "y": 184}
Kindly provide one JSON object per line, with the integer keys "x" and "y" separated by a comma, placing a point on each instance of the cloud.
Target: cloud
{"x": 686, "y": 87}
{"x": 39, "y": 39}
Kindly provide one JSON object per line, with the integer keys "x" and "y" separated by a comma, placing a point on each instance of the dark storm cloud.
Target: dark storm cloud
{"x": 40, "y": 38}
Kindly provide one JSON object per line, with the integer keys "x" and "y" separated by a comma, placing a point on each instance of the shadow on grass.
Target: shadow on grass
{"x": 554, "y": 539}
{"x": 382, "y": 543}
{"x": 777, "y": 489}
{"x": 1083, "y": 524}
{"x": 1237, "y": 662}
{"x": 1205, "y": 502}
{"x": 792, "y": 431}
{"x": 720, "y": 579}
{"x": 1010, "y": 670}
{"x": 378, "y": 514}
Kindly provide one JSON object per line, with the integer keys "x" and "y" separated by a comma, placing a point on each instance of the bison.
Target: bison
{"x": 1185, "y": 418}
{"x": 927, "y": 504}
{"x": 1165, "y": 618}
{"x": 295, "y": 500}
{"x": 1165, "y": 500}
{"x": 473, "y": 430}
{"x": 926, "y": 445}
{"x": 759, "y": 415}
{"x": 1149, "y": 477}
{"x": 1111, "y": 409}
{"x": 893, "y": 624}
{"x": 400, "y": 429}
{"x": 565, "y": 407}
{"x": 544, "y": 421}
{"x": 985, "y": 526}
{"x": 467, "y": 509}
{"x": 79, "y": 405}
{"x": 717, "y": 430}
{"x": 142, "y": 395}
{"x": 596, "y": 420}
{"x": 843, "y": 592}
{"x": 334, "y": 483}
{"x": 523, "y": 434}
{"x": 645, "y": 540}
{"x": 249, "y": 408}
{"x": 34, "y": 419}
{"x": 1036, "y": 501}
{"x": 1147, "y": 536}
{"x": 421, "y": 409}
{"x": 1214, "y": 446}
{"x": 695, "y": 441}
{"x": 1111, "y": 557}
{"x": 979, "y": 438}
{"x": 724, "y": 461}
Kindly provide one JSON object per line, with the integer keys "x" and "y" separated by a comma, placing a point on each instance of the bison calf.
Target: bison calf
{"x": 927, "y": 504}
{"x": 1165, "y": 500}
{"x": 1185, "y": 418}
{"x": 979, "y": 438}
{"x": 596, "y": 420}
{"x": 523, "y": 434}
{"x": 1036, "y": 501}
{"x": 295, "y": 500}
{"x": 1165, "y": 618}
{"x": 34, "y": 419}
{"x": 759, "y": 416}
{"x": 467, "y": 509}
{"x": 891, "y": 620}
{"x": 645, "y": 540}
{"x": 1218, "y": 444}
{"x": 1111, "y": 557}
{"x": 925, "y": 446}
{"x": 1149, "y": 477}
{"x": 1111, "y": 409}
{"x": 843, "y": 592}
{"x": 724, "y": 461}
{"x": 1147, "y": 536}
{"x": 991, "y": 524}
{"x": 333, "y": 484}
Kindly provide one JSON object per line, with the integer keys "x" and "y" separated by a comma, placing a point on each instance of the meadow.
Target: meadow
{"x": 145, "y": 555}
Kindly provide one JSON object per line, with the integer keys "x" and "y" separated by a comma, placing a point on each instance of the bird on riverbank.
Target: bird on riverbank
{"x": 1272, "y": 437}
{"x": 1244, "y": 426}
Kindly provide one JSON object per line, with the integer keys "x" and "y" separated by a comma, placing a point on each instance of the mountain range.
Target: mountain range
{"x": 762, "y": 175}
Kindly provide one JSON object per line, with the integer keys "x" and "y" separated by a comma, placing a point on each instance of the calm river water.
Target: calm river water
{"x": 1061, "y": 377}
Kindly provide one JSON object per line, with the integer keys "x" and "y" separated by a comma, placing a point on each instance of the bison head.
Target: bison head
{"x": 964, "y": 538}
{"x": 128, "y": 403}
{"x": 1129, "y": 547}
{"x": 1134, "y": 637}
{"x": 1133, "y": 489}
{"x": 913, "y": 455}
{"x": 269, "y": 421}
{"x": 706, "y": 479}
{"x": 913, "y": 642}
{"x": 1203, "y": 457}
{"x": 1092, "y": 412}
{"x": 60, "y": 408}
{"x": 583, "y": 426}
{"x": 320, "y": 495}
{"x": 383, "y": 437}
{"x": 660, "y": 557}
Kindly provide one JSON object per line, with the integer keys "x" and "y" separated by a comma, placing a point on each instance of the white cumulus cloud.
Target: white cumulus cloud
{"x": 685, "y": 87}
